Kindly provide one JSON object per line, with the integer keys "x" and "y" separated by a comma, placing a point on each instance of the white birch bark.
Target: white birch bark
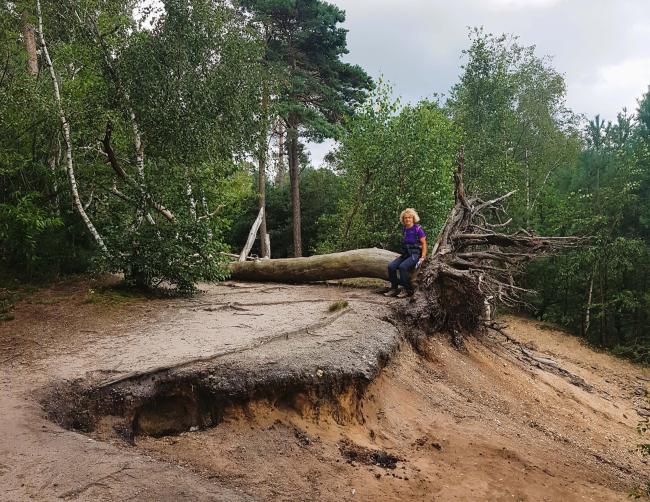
{"x": 66, "y": 136}
{"x": 589, "y": 298}
{"x": 251, "y": 235}
{"x": 204, "y": 203}
{"x": 190, "y": 195}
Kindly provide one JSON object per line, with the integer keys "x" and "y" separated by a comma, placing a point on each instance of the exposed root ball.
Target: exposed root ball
{"x": 445, "y": 301}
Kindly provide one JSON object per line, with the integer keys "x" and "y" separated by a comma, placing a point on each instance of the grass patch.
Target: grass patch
{"x": 121, "y": 293}
{"x": 337, "y": 305}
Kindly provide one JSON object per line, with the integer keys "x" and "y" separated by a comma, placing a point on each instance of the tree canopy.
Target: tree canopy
{"x": 136, "y": 139}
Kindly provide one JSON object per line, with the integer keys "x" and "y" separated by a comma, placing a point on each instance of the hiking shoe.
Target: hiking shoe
{"x": 383, "y": 291}
{"x": 392, "y": 293}
{"x": 405, "y": 293}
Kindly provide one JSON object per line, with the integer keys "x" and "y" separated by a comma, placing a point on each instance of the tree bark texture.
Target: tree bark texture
{"x": 281, "y": 175}
{"x": 251, "y": 235}
{"x": 66, "y": 136}
{"x": 261, "y": 181}
{"x": 265, "y": 252}
{"x": 122, "y": 174}
{"x": 371, "y": 262}
{"x": 29, "y": 39}
{"x": 294, "y": 175}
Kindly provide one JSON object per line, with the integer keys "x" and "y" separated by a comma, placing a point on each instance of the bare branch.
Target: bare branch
{"x": 492, "y": 202}
{"x": 110, "y": 154}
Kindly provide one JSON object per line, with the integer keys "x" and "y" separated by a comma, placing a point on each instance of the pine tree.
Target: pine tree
{"x": 304, "y": 44}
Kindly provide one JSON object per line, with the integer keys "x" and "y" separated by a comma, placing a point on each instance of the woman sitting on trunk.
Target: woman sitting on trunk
{"x": 414, "y": 250}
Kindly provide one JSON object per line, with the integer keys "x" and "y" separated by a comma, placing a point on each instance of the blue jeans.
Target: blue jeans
{"x": 405, "y": 263}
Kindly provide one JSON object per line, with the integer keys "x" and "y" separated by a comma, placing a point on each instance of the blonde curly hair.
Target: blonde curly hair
{"x": 410, "y": 212}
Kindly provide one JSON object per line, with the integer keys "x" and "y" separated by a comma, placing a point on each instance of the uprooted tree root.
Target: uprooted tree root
{"x": 473, "y": 266}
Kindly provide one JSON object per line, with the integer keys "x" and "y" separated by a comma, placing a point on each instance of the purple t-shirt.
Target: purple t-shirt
{"x": 413, "y": 235}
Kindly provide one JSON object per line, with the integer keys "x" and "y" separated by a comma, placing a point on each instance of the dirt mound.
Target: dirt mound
{"x": 489, "y": 423}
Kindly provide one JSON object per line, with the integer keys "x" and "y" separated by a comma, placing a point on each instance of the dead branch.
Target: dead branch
{"x": 252, "y": 234}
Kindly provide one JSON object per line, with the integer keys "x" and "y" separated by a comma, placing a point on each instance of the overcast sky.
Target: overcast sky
{"x": 601, "y": 46}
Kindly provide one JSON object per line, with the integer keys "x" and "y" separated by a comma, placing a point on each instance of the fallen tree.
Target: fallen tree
{"x": 471, "y": 269}
{"x": 371, "y": 262}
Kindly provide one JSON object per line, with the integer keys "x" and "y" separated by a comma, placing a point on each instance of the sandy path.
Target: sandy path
{"x": 483, "y": 424}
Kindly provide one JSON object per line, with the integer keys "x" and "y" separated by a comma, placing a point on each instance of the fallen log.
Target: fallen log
{"x": 370, "y": 262}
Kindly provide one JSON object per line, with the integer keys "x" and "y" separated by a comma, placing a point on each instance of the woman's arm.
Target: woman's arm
{"x": 423, "y": 241}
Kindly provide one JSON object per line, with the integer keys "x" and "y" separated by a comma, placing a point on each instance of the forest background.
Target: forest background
{"x": 144, "y": 141}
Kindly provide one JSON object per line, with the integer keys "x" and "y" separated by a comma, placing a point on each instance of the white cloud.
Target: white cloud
{"x": 629, "y": 74}
{"x": 519, "y": 4}
{"x": 610, "y": 88}
{"x": 601, "y": 46}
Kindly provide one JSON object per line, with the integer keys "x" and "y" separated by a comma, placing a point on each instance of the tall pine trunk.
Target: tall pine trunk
{"x": 29, "y": 39}
{"x": 263, "y": 150}
{"x": 294, "y": 175}
{"x": 282, "y": 171}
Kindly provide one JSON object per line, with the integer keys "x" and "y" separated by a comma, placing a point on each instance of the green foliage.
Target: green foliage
{"x": 189, "y": 82}
{"x": 337, "y": 305}
{"x": 24, "y": 227}
{"x": 519, "y": 135}
{"x": 305, "y": 43}
{"x": 517, "y": 131}
{"x": 604, "y": 196}
{"x": 394, "y": 157}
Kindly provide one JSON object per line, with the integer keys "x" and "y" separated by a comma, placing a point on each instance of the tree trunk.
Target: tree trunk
{"x": 29, "y": 40}
{"x": 371, "y": 262}
{"x": 66, "y": 136}
{"x": 588, "y": 306}
{"x": 294, "y": 175}
{"x": 53, "y": 164}
{"x": 261, "y": 180}
{"x": 527, "y": 191}
{"x": 189, "y": 192}
{"x": 251, "y": 235}
{"x": 282, "y": 173}
{"x": 264, "y": 250}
